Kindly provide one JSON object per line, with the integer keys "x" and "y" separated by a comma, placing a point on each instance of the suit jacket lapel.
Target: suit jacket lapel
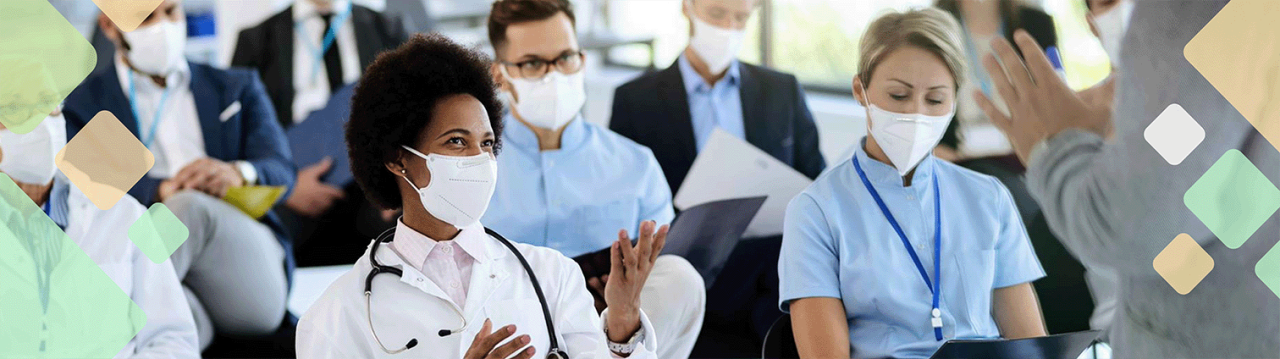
{"x": 367, "y": 41}
{"x": 208, "y": 107}
{"x": 117, "y": 101}
{"x": 283, "y": 31}
{"x": 754, "y": 119}
{"x": 671, "y": 88}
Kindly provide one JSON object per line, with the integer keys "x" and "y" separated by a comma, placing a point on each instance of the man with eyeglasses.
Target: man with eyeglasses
{"x": 576, "y": 186}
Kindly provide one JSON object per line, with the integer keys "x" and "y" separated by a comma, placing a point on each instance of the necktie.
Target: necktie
{"x": 332, "y": 62}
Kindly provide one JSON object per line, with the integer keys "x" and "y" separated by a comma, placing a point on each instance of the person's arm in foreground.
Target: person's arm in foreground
{"x": 820, "y": 328}
{"x": 1106, "y": 201}
{"x": 1017, "y": 312}
{"x": 808, "y": 274}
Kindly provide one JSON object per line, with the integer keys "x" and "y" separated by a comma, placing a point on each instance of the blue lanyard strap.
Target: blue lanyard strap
{"x": 335, "y": 24}
{"x": 147, "y": 137}
{"x": 935, "y": 284}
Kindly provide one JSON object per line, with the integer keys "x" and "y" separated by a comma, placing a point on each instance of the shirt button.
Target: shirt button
{"x": 447, "y": 249}
{"x": 911, "y": 197}
{"x": 419, "y": 280}
{"x": 454, "y": 285}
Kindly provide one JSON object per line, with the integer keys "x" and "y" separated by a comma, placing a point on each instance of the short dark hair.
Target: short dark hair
{"x": 394, "y": 100}
{"x": 510, "y": 12}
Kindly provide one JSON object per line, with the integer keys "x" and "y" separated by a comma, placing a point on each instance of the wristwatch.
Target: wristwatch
{"x": 628, "y": 347}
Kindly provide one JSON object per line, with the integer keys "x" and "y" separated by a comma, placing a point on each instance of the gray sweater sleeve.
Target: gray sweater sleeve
{"x": 1117, "y": 202}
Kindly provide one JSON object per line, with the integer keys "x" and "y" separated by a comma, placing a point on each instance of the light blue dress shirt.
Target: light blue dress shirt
{"x": 576, "y": 198}
{"x": 837, "y": 243}
{"x": 713, "y": 106}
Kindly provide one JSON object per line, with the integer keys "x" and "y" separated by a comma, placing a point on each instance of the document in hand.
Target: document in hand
{"x": 254, "y": 201}
{"x": 321, "y": 135}
{"x": 729, "y": 167}
{"x": 1059, "y": 346}
{"x": 704, "y": 235}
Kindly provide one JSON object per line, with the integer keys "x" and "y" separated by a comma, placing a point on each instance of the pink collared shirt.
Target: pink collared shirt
{"x": 446, "y": 263}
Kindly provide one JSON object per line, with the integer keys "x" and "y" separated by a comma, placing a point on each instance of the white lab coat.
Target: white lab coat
{"x": 412, "y": 306}
{"x": 170, "y": 331}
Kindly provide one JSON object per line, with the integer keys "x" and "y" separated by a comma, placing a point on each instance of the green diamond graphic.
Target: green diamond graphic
{"x": 1233, "y": 198}
{"x": 158, "y": 233}
{"x": 1268, "y": 270}
{"x": 55, "y": 302}
{"x": 42, "y": 58}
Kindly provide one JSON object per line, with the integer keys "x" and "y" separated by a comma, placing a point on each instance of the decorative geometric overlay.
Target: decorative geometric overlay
{"x": 1183, "y": 264}
{"x": 55, "y": 302}
{"x": 42, "y": 58}
{"x": 1174, "y": 134}
{"x": 104, "y": 160}
{"x": 1233, "y": 198}
{"x": 127, "y": 14}
{"x": 158, "y": 233}
{"x": 1239, "y": 53}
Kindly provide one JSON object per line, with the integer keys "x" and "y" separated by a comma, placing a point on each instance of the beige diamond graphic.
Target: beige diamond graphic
{"x": 105, "y": 160}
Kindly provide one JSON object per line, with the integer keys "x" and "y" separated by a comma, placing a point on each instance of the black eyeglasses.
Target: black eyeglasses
{"x": 568, "y": 63}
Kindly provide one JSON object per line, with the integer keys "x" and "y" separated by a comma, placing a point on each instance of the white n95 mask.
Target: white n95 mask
{"x": 906, "y": 138}
{"x": 28, "y": 158}
{"x": 549, "y": 102}
{"x": 157, "y": 49}
{"x": 715, "y": 45}
{"x": 460, "y": 187}
{"x": 1112, "y": 26}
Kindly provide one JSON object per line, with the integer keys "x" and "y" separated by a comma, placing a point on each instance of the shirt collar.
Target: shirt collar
{"x": 694, "y": 82}
{"x": 518, "y": 135}
{"x": 470, "y": 240}
{"x": 304, "y": 9}
{"x": 177, "y": 79}
{"x": 883, "y": 174}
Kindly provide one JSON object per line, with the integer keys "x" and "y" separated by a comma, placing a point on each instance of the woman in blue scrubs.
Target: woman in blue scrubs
{"x": 893, "y": 252}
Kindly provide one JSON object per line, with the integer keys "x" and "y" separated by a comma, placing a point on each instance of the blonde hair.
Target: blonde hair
{"x": 930, "y": 29}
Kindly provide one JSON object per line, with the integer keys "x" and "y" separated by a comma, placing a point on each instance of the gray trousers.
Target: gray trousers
{"x": 231, "y": 267}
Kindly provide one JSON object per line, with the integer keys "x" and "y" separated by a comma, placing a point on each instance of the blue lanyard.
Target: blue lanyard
{"x": 934, "y": 285}
{"x": 335, "y": 24}
{"x": 147, "y": 139}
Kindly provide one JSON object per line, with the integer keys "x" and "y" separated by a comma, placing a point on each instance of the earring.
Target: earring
{"x": 402, "y": 172}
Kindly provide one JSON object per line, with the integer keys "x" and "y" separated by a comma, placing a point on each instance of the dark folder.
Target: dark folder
{"x": 704, "y": 235}
{"x": 1059, "y": 346}
{"x": 321, "y": 135}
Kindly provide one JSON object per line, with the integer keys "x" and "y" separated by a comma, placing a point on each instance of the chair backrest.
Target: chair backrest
{"x": 780, "y": 341}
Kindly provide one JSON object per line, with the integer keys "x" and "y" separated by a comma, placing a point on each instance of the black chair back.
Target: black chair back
{"x": 780, "y": 342}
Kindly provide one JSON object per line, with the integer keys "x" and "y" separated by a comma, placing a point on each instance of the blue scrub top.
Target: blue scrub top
{"x": 837, "y": 243}
{"x": 576, "y": 198}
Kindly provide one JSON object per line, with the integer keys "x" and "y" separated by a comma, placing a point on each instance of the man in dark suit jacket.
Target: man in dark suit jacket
{"x": 285, "y": 50}
{"x": 656, "y": 110}
{"x": 674, "y": 111}
{"x": 210, "y": 130}
{"x": 270, "y": 47}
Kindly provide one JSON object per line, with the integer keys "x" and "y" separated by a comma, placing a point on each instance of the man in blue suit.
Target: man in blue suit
{"x": 674, "y": 112}
{"x": 210, "y": 130}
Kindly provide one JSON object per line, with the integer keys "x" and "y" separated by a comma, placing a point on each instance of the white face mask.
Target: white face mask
{"x": 460, "y": 187}
{"x": 905, "y": 138}
{"x": 549, "y": 102}
{"x": 715, "y": 45}
{"x": 157, "y": 49}
{"x": 28, "y": 158}
{"x": 1112, "y": 26}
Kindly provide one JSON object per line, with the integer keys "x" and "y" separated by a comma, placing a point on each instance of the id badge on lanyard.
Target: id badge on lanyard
{"x": 935, "y": 315}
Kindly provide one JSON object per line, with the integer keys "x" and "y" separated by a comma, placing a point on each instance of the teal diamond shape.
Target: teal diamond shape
{"x": 55, "y": 302}
{"x": 158, "y": 233}
{"x": 1233, "y": 198}
{"x": 1268, "y": 270}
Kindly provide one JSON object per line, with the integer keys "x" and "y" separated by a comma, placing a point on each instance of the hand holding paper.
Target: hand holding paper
{"x": 728, "y": 168}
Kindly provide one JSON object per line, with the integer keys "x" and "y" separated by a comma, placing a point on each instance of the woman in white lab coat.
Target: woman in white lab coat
{"x": 424, "y": 129}
{"x": 55, "y": 302}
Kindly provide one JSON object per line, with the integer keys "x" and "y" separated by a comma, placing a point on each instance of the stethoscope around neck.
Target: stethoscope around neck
{"x": 553, "y": 353}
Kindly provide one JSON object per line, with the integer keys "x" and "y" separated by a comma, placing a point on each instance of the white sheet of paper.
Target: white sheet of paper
{"x": 729, "y": 167}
